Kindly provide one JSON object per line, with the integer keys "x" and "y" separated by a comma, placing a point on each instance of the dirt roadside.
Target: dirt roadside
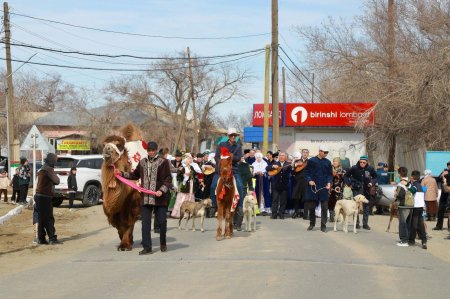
{"x": 84, "y": 228}
{"x": 79, "y": 229}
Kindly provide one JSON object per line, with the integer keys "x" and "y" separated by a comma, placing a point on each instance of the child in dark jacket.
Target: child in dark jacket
{"x": 16, "y": 187}
{"x": 72, "y": 185}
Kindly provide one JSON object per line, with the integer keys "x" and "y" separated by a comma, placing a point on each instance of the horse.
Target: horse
{"x": 121, "y": 203}
{"x": 225, "y": 193}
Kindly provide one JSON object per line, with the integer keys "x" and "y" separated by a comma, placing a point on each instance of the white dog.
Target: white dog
{"x": 192, "y": 210}
{"x": 250, "y": 205}
{"x": 348, "y": 208}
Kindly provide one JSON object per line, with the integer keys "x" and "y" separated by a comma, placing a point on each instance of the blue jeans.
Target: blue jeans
{"x": 366, "y": 207}
{"x": 239, "y": 186}
{"x": 404, "y": 222}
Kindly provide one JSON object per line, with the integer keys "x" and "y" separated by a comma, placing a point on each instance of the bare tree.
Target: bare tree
{"x": 353, "y": 64}
{"x": 164, "y": 91}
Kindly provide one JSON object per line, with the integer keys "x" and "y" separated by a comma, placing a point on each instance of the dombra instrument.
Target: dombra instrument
{"x": 208, "y": 171}
{"x": 300, "y": 165}
{"x": 276, "y": 171}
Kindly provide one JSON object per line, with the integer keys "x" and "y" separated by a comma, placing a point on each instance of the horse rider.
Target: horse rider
{"x": 235, "y": 148}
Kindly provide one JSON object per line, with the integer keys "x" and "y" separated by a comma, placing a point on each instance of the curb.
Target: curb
{"x": 16, "y": 211}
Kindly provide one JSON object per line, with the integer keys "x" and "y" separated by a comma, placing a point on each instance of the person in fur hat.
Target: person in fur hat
{"x": 24, "y": 180}
{"x": 185, "y": 179}
{"x": 46, "y": 180}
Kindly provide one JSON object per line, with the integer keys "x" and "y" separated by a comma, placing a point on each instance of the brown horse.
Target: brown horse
{"x": 225, "y": 193}
{"x": 121, "y": 203}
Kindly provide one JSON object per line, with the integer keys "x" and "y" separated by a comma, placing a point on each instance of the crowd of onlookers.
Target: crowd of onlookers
{"x": 304, "y": 184}
{"x": 20, "y": 183}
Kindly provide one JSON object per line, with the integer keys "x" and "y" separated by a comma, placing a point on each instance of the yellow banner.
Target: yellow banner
{"x": 74, "y": 145}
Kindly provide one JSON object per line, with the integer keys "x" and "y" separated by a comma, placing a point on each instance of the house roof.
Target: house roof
{"x": 63, "y": 119}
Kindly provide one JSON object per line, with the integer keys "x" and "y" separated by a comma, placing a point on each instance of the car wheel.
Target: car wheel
{"x": 57, "y": 201}
{"x": 91, "y": 196}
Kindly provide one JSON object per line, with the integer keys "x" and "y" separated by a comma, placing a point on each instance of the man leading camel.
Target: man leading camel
{"x": 154, "y": 172}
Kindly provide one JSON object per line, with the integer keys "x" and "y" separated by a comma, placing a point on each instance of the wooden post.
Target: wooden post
{"x": 194, "y": 111}
{"x": 13, "y": 155}
{"x": 275, "y": 108}
{"x": 266, "y": 102}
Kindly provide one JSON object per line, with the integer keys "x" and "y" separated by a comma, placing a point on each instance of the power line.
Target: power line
{"x": 140, "y": 34}
{"x": 307, "y": 79}
{"x": 130, "y": 56}
{"x": 84, "y": 37}
{"x": 134, "y": 70}
{"x": 87, "y": 59}
{"x": 296, "y": 76}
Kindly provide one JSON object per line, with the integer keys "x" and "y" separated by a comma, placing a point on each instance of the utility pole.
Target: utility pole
{"x": 9, "y": 92}
{"x": 283, "y": 82}
{"x": 191, "y": 80}
{"x": 283, "y": 87}
{"x": 266, "y": 102}
{"x": 275, "y": 108}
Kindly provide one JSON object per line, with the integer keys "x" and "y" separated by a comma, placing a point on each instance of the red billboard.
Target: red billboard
{"x": 317, "y": 115}
{"x": 258, "y": 114}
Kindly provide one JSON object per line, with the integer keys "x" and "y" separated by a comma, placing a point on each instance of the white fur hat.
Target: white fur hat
{"x": 297, "y": 155}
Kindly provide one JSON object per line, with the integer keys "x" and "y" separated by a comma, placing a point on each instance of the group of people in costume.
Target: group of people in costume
{"x": 307, "y": 184}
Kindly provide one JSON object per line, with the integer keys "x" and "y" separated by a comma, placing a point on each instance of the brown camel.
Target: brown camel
{"x": 121, "y": 203}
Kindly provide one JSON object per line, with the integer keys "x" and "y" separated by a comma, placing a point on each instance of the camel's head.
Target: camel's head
{"x": 114, "y": 148}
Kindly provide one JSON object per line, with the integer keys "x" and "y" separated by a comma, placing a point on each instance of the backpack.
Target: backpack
{"x": 409, "y": 196}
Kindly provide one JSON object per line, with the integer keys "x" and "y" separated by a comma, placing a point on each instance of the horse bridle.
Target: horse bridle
{"x": 119, "y": 153}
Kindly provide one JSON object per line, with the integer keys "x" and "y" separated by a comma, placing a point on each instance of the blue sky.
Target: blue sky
{"x": 197, "y": 18}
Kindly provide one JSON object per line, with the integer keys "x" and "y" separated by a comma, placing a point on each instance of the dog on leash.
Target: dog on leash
{"x": 192, "y": 210}
{"x": 392, "y": 213}
{"x": 250, "y": 204}
{"x": 348, "y": 208}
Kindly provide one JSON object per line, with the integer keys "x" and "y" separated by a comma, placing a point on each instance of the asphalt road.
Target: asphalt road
{"x": 280, "y": 260}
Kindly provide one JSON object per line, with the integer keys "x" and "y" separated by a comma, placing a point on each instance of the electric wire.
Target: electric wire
{"x": 135, "y": 70}
{"x": 131, "y": 56}
{"x": 323, "y": 95}
{"x": 141, "y": 34}
{"x": 84, "y": 37}
{"x": 296, "y": 76}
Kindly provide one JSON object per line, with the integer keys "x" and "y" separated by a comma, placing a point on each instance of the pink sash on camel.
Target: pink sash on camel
{"x": 219, "y": 195}
{"x": 131, "y": 184}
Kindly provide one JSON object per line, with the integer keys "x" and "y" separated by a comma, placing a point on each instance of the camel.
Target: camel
{"x": 121, "y": 203}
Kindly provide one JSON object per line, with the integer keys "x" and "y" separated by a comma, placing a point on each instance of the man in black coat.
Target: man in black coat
{"x": 319, "y": 175}
{"x": 300, "y": 184}
{"x": 46, "y": 180}
{"x": 280, "y": 185}
{"x": 361, "y": 177}
{"x": 443, "y": 200}
{"x": 154, "y": 172}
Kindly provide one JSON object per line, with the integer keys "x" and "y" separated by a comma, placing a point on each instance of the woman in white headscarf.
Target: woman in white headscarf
{"x": 185, "y": 180}
{"x": 259, "y": 168}
{"x": 431, "y": 195}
